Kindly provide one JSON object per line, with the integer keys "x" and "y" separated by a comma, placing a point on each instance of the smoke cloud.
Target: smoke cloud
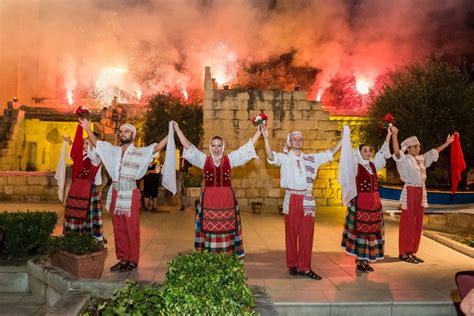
{"x": 50, "y": 47}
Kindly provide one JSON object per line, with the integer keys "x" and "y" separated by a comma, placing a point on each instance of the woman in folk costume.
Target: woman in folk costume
{"x": 83, "y": 212}
{"x": 363, "y": 235}
{"x": 412, "y": 169}
{"x": 218, "y": 225}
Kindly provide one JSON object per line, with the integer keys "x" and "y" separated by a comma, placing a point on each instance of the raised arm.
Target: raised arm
{"x": 336, "y": 147}
{"x": 257, "y": 134}
{"x": 448, "y": 142}
{"x": 161, "y": 145}
{"x": 396, "y": 146}
{"x": 86, "y": 125}
{"x": 268, "y": 148}
{"x": 184, "y": 141}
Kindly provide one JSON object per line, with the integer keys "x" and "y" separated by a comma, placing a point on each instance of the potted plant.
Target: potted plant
{"x": 80, "y": 254}
{"x": 256, "y": 207}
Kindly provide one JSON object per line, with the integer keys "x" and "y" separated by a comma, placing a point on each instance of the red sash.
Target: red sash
{"x": 218, "y": 210}
{"x": 79, "y": 199}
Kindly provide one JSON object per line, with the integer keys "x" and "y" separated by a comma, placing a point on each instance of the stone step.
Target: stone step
{"x": 71, "y": 303}
{"x": 388, "y": 308}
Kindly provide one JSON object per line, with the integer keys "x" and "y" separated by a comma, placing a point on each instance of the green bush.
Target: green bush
{"x": 469, "y": 240}
{"x": 429, "y": 99}
{"x": 191, "y": 181}
{"x": 75, "y": 243}
{"x": 196, "y": 284}
{"x": 27, "y": 233}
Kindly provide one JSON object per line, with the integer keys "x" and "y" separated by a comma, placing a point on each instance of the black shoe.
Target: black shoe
{"x": 182, "y": 208}
{"x": 407, "y": 258}
{"x": 415, "y": 258}
{"x": 293, "y": 271}
{"x": 360, "y": 266}
{"x": 310, "y": 274}
{"x": 128, "y": 266}
{"x": 118, "y": 266}
{"x": 367, "y": 267}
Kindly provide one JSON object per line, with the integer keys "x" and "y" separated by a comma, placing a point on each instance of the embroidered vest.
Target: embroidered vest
{"x": 217, "y": 176}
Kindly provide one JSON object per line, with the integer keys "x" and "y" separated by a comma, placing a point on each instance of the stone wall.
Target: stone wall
{"x": 228, "y": 113}
{"x": 28, "y": 186}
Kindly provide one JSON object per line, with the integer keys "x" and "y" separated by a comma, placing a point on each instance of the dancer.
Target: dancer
{"x": 412, "y": 169}
{"x": 363, "y": 235}
{"x": 125, "y": 164}
{"x": 218, "y": 226}
{"x": 297, "y": 173}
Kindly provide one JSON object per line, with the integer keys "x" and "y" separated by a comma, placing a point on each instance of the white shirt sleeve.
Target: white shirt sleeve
{"x": 94, "y": 157}
{"x": 108, "y": 154}
{"x": 277, "y": 159}
{"x": 381, "y": 156}
{"x": 323, "y": 157}
{"x": 194, "y": 156}
{"x": 430, "y": 157}
{"x": 148, "y": 157}
{"x": 242, "y": 155}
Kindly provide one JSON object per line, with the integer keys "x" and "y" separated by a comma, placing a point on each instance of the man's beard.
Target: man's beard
{"x": 125, "y": 140}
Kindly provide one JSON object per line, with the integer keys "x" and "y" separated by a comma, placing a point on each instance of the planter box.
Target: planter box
{"x": 192, "y": 192}
{"x": 88, "y": 266}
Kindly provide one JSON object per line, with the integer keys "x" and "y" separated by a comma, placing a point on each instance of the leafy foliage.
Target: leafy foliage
{"x": 166, "y": 108}
{"x": 27, "y": 233}
{"x": 196, "y": 284}
{"x": 429, "y": 99}
{"x": 75, "y": 243}
{"x": 191, "y": 181}
{"x": 469, "y": 240}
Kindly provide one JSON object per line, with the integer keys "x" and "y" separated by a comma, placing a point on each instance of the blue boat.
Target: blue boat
{"x": 438, "y": 201}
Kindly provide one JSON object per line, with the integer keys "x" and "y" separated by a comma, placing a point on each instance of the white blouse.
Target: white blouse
{"x": 408, "y": 168}
{"x": 292, "y": 171}
{"x": 112, "y": 158}
{"x": 237, "y": 158}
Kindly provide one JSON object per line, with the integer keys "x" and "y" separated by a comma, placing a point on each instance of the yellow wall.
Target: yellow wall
{"x": 47, "y": 135}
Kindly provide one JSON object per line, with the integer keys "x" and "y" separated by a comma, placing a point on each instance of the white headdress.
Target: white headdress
{"x": 410, "y": 141}
{"x": 131, "y": 128}
{"x": 287, "y": 146}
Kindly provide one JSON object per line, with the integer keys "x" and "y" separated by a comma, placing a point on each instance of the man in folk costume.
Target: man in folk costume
{"x": 125, "y": 164}
{"x": 297, "y": 173}
{"x": 363, "y": 235}
{"x": 83, "y": 210}
{"x": 218, "y": 226}
{"x": 412, "y": 169}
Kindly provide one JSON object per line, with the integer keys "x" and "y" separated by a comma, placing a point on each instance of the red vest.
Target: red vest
{"x": 217, "y": 176}
{"x": 88, "y": 171}
{"x": 367, "y": 184}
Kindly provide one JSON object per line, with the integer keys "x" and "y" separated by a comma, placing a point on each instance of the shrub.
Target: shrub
{"x": 26, "y": 233}
{"x": 196, "y": 284}
{"x": 74, "y": 243}
{"x": 469, "y": 240}
{"x": 191, "y": 181}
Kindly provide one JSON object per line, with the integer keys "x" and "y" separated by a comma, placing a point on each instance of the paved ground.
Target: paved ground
{"x": 164, "y": 235}
{"x": 20, "y": 304}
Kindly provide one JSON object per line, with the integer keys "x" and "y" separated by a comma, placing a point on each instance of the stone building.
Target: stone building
{"x": 228, "y": 113}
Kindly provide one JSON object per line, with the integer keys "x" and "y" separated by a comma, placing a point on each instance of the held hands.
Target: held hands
{"x": 264, "y": 130}
{"x": 393, "y": 130}
{"x": 175, "y": 126}
{"x": 85, "y": 124}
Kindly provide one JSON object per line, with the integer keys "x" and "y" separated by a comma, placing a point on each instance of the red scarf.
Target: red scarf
{"x": 457, "y": 163}
{"x": 76, "y": 153}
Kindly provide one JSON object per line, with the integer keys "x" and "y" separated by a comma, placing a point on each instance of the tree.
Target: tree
{"x": 165, "y": 108}
{"x": 429, "y": 99}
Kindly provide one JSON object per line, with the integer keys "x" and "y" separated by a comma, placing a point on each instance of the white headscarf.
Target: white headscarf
{"x": 131, "y": 128}
{"x": 287, "y": 146}
{"x": 410, "y": 141}
{"x": 216, "y": 158}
